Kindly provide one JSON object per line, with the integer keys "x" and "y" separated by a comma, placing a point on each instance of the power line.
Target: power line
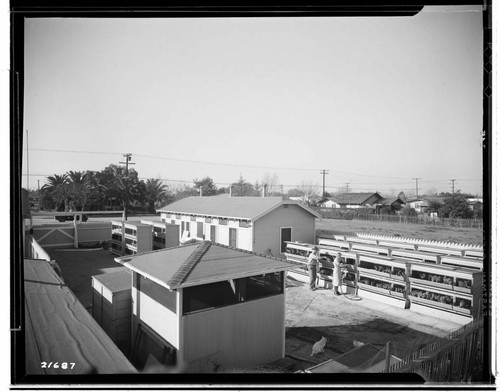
{"x": 214, "y": 163}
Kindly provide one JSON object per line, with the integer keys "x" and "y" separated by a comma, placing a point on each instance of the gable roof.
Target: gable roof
{"x": 251, "y": 208}
{"x": 200, "y": 263}
{"x": 353, "y": 198}
{"x": 391, "y": 200}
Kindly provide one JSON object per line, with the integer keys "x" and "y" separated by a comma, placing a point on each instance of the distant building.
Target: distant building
{"x": 351, "y": 200}
{"x": 394, "y": 202}
{"x": 476, "y": 205}
{"x": 258, "y": 224}
{"x": 203, "y": 307}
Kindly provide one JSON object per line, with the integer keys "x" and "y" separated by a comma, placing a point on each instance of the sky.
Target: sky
{"x": 376, "y": 102}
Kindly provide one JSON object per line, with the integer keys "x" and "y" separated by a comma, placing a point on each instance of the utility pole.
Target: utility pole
{"x": 347, "y": 187}
{"x": 416, "y": 184}
{"x": 453, "y": 186}
{"x": 27, "y": 163}
{"x": 128, "y": 158}
{"x": 324, "y": 172}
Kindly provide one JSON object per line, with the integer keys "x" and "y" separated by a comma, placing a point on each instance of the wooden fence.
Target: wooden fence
{"x": 364, "y": 215}
{"x": 71, "y": 234}
{"x": 456, "y": 358}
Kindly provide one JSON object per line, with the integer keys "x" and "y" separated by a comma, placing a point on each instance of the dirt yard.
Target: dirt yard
{"x": 426, "y": 232}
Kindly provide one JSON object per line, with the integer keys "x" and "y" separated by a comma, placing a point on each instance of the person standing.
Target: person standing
{"x": 337, "y": 273}
{"x": 312, "y": 267}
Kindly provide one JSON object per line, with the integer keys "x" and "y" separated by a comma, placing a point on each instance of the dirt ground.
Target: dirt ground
{"x": 427, "y": 232}
{"x": 344, "y": 320}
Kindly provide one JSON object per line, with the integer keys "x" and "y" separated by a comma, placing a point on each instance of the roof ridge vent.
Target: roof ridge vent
{"x": 190, "y": 262}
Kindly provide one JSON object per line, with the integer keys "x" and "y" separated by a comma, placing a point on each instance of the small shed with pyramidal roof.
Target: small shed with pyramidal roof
{"x": 204, "y": 307}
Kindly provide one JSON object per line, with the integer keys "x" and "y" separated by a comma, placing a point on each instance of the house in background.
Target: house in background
{"x": 420, "y": 205}
{"x": 476, "y": 205}
{"x": 258, "y": 224}
{"x": 204, "y": 307}
{"x": 395, "y": 203}
{"x": 351, "y": 200}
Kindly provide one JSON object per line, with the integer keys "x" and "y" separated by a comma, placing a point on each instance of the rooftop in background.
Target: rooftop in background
{"x": 200, "y": 263}
{"x": 352, "y": 197}
{"x": 54, "y": 315}
{"x": 251, "y": 208}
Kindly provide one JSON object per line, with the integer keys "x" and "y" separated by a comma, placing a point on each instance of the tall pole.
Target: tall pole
{"x": 416, "y": 184}
{"x": 128, "y": 158}
{"x": 453, "y": 186}
{"x": 27, "y": 163}
{"x": 347, "y": 187}
{"x": 324, "y": 172}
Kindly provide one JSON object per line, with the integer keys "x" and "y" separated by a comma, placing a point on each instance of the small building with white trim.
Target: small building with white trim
{"x": 258, "y": 224}
{"x": 204, "y": 307}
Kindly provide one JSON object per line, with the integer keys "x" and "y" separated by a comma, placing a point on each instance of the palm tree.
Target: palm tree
{"x": 156, "y": 193}
{"x": 57, "y": 187}
{"x": 78, "y": 190}
{"x": 127, "y": 187}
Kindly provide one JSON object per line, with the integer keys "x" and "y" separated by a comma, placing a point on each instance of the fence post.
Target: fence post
{"x": 75, "y": 234}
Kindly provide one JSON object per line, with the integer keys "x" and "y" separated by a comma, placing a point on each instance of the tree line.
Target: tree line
{"x": 116, "y": 188}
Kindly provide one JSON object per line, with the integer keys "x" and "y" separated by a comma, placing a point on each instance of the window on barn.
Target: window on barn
{"x": 216, "y": 295}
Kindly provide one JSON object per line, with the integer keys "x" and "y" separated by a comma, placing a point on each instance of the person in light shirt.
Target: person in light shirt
{"x": 312, "y": 267}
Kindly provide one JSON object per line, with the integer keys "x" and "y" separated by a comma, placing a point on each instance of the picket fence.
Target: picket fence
{"x": 445, "y": 244}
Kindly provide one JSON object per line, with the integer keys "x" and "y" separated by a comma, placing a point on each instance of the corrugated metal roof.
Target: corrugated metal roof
{"x": 200, "y": 263}
{"x": 59, "y": 329}
{"x": 230, "y": 207}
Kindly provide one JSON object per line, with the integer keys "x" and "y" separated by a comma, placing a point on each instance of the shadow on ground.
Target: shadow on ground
{"x": 341, "y": 338}
{"x": 78, "y": 268}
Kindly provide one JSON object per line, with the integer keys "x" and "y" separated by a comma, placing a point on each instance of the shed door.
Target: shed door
{"x": 232, "y": 238}
{"x": 199, "y": 230}
{"x": 286, "y": 235}
{"x": 212, "y": 233}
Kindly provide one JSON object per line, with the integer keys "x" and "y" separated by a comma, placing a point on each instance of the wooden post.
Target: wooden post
{"x": 75, "y": 234}
{"x": 387, "y": 356}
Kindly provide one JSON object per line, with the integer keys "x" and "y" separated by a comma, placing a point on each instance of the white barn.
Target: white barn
{"x": 258, "y": 224}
